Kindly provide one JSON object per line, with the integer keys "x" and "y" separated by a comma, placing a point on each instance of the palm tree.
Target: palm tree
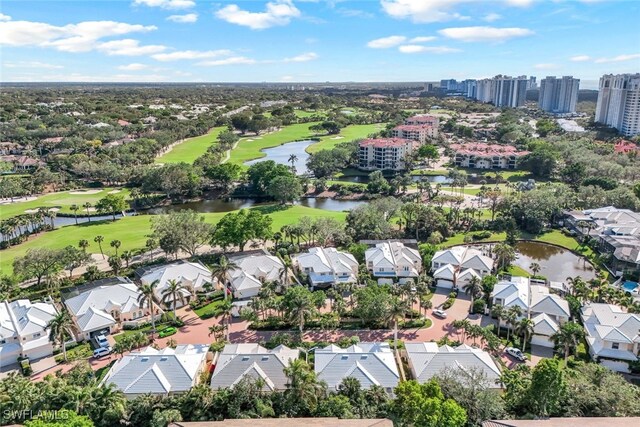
{"x": 505, "y": 254}
{"x": 83, "y": 244}
{"x": 221, "y": 270}
{"x": 75, "y": 208}
{"x": 99, "y": 240}
{"x": 59, "y": 327}
{"x": 217, "y": 331}
{"x": 498, "y": 312}
{"x": 397, "y": 311}
{"x": 115, "y": 244}
{"x": 173, "y": 293}
{"x": 568, "y": 337}
{"x": 225, "y": 314}
{"x": 525, "y": 328}
{"x": 511, "y": 316}
{"x": 535, "y": 268}
{"x": 426, "y": 304}
{"x": 87, "y": 206}
{"x": 293, "y": 159}
{"x": 474, "y": 288}
{"x": 303, "y": 385}
{"x": 127, "y": 256}
{"x": 300, "y": 308}
{"x": 146, "y": 297}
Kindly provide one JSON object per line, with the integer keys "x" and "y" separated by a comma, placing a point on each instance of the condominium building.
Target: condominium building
{"x": 418, "y": 133}
{"x": 422, "y": 120}
{"x": 619, "y": 102}
{"x": 384, "y": 153}
{"x": 481, "y": 155}
{"x": 559, "y": 95}
{"x": 503, "y": 91}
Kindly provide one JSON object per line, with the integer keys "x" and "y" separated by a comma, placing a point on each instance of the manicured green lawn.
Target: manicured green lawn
{"x": 212, "y": 306}
{"x": 190, "y": 149}
{"x": 349, "y": 133}
{"x": 514, "y": 270}
{"x": 307, "y": 113}
{"x": 62, "y": 200}
{"x": 133, "y": 231}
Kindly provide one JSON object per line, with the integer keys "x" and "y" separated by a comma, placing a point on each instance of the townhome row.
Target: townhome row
{"x": 481, "y": 155}
{"x": 173, "y": 371}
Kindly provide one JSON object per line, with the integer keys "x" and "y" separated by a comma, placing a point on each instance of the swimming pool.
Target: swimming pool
{"x": 629, "y": 286}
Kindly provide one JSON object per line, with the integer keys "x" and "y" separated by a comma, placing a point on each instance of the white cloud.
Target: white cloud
{"x": 80, "y": 37}
{"x": 234, "y": 60}
{"x": 129, "y": 47}
{"x": 425, "y": 11}
{"x": 167, "y": 4}
{"x": 132, "y": 67}
{"x": 189, "y": 18}
{"x": 190, "y": 54}
{"x": 546, "y": 66}
{"x": 422, "y": 39}
{"x": 286, "y": 79}
{"x": 491, "y": 17}
{"x": 484, "y": 34}
{"x": 619, "y": 58}
{"x": 386, "y": 42}
{"x": 580, "y": 58}
{"x": 414, "y": 48}
{"x": 32, "y": 64}
{"x": 309, "y": 56}
{"x": 278, "y": 12}
{"x": 4, "y": 18}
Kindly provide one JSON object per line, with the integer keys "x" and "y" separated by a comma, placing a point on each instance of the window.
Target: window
{"x": 615, "y": 345}
{"x": 37, "y": 335}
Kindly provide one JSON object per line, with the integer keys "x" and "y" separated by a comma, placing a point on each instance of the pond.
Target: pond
{"x": 435, "y": 179}
{"x": 281, "y": 153}
{"x": 556, "y": 263}
{"x": 62, "y": 221}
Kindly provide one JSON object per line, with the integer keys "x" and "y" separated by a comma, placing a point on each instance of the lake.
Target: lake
{"x": 435, "y": 179}
{"x": 281, "y": 153}
{"x": 219, "y": 205}
{"x": 556, "y": 263}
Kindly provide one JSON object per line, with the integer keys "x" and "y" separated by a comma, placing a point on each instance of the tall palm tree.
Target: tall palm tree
{"x": 511, "y": 316}
{"x": 83, "y": 244}
{"x": 221, "y": 270}
{"x": 535, "y": 268}
{"x": 474, "y": 288}
{"x": 99, "y": 240}
{"x": 505, "y": 254}
{"x": 293, "y": 159}
{"x": 172, "y": 293}
{"x": 86, "y": 206}
{"x": 115, "y": 244}
{"x": 398, "y": 309}
{"x": 568, "y": 337}
{"x": 217, "y": 331}
{"x": 225, "y": 317}
{"x": 75, "y": 208}
{"x": 60, "y": 327}
{"x": 525, "y": 328}
{"x": 498, "y": 312}
{"x": 146, "y": 297}
{"x": 303, "y": 385}
{"x": 300, "y": 308}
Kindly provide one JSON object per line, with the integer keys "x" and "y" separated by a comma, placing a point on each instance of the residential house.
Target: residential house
{"x": 105, "y": 306}
{"x": 253, "y": 270}
{"x": 326, "y": 266}
{"x": 371, "y": 363}
{"x": 613, "y": 335}
{"x": 10, "y": 148}
{"x": 254, "y": 361}
{"x": 420, "y": 133}
{"x": 22, "y": 163}
{"x": 385, "y": 153}
{"x": 194, "y": 276}
{"x": 456, "y": 266}
{"x": 23, "y": 330}
{"x": 427, "y": 360}
{"x": 480, "y": 155}
{"x": 158, "y": 372}
{"x": 548, "y": 311}
{"x": 393, "y": 259}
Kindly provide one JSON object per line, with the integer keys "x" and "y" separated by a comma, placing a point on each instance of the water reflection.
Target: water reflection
{"x": 281, "y": 154}
{"x": 556, "y": 263}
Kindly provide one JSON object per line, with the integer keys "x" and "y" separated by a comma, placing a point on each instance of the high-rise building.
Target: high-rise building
{"x": 532, "y": 83}
{"x": 619, "y": 102}
{"x": 559, "y": 95}
{"x": 485, "y": 90}
{"x": 510, "y": 91}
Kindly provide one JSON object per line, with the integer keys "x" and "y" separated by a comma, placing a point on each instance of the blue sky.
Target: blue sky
{"x": 315, "y": 40}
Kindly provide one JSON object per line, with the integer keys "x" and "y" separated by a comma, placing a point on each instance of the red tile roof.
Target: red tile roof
{"x": 424, "y": 118}
{"x": 623, "y": 147}
{"x": 385, "y": 142}
{"x": 413, "y": 128}
{"x": 482, "y": 149}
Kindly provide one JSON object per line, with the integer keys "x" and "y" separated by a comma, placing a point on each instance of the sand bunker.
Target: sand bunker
{"x": 114, "y": 191}
{"x": 85, "y": 192}
{"x": 338, "y": 137}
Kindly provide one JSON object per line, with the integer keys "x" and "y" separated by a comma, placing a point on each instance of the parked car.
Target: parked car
{"x": 166, "y": 332}
{"x": 101, "y": 352}
{"x": 440, "y": 313}
{"x": 515, "y": 353}
{"x": 102, "y": 341}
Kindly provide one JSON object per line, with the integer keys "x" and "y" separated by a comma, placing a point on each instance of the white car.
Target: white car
{"x": 102, "y": 341}
{"x": 101, "y": 352}
{"x": 440, "y": 313}
{"x": 515, "y": 353}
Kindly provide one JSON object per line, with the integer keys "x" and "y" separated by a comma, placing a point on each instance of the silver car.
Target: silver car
{"x": 440, "y": 313}
{"x": 515, "y": 353}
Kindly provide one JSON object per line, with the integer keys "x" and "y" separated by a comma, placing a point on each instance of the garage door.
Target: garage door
{"x": 39, "y": 352}
{"x": 444, "y": 284}
{"x": 541, "y": 340}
